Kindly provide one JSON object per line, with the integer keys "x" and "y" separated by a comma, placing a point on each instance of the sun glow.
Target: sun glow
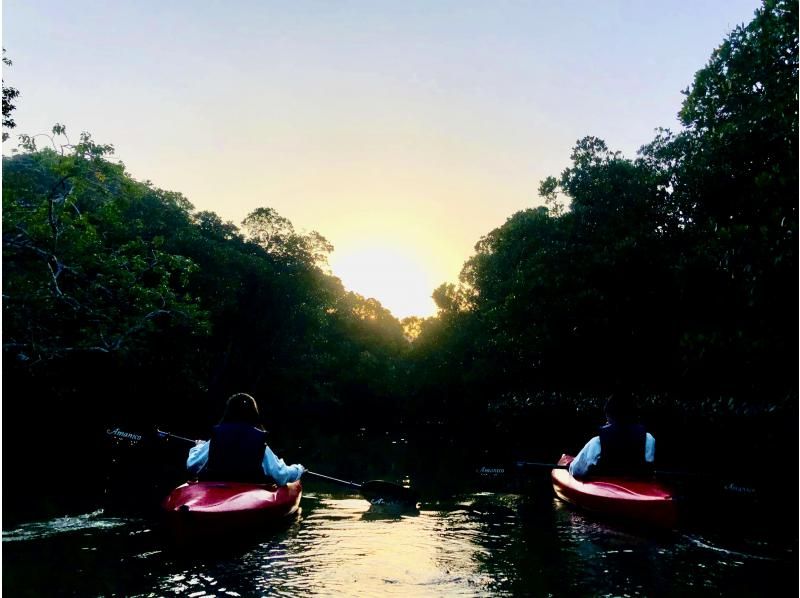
{"x": 396, "y": 278}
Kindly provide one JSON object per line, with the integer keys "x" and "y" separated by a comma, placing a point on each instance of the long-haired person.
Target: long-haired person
{"x": 238, "y": 450}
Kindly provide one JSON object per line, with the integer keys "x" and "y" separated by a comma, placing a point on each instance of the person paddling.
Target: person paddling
{"x": 622, "y": 448}
{"x": 238, "y": 451}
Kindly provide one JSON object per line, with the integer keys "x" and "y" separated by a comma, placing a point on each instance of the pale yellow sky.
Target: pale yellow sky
{"x": 398, "y": 129}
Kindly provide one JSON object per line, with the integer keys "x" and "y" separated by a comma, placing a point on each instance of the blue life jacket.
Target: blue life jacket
{"x": 622, "y": 450}
{"x": 235, "y": 454}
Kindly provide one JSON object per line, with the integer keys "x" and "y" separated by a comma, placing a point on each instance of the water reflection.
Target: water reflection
{"x": 347, "y": 547}
{"x": 43, "y": 529}
{"x": 390, "y": 511}
{"x": 476, "y": 544}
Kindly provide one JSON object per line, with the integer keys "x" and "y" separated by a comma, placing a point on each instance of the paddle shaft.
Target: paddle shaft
{"x": 546, "y": 465}
{"x": 163, "y": 434}
{"x": 337, "y": 480}
{"x": 312, "y": 473}
{"x": 175, "y": 436}
{"x": 367, "y": 489}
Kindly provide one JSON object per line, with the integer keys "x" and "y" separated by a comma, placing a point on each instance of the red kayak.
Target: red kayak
{"x": 639, "y": 500}
{"x": 227, "y": 508}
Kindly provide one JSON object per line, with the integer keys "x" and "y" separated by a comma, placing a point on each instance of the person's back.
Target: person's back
{"x": 238, "y": 451}
{"x": 622, "y": 448}
{"x": 235, "y": 453}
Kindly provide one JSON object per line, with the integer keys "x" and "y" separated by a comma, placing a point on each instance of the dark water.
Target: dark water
{"x": 476, "y": 544}
{"x": 471, "y": 536}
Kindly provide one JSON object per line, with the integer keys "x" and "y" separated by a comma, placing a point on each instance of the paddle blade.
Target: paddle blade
{"x": 380, "y": 492}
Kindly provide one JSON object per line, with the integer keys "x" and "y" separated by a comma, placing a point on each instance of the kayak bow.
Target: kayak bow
{"x": 640, "y": 500}
{"x": 210, "y": 508}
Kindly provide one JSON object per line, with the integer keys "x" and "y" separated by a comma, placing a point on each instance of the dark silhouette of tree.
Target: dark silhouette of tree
{"x": 9, "y": 95}
{"x": 672, "y": 272}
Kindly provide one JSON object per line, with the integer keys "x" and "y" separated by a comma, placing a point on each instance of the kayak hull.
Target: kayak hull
{"x": 634, "y": 500}
{"x": 227, "y": 509}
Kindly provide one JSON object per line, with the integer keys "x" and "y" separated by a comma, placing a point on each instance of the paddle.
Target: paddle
{"x": 535, "y": 464}
{"x": 375, "y": 491}
{"x": 175, "y": 436}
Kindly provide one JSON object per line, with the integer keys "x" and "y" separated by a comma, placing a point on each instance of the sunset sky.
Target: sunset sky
{"x": 402, "y": 131}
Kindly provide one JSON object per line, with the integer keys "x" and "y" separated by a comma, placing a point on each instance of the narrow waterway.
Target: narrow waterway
{"x": 473, "y": 534}
{"x": 475, "y": 544}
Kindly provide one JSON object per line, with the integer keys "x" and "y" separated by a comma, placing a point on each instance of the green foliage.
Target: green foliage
{"x": 276, "y": 235}
{"x": 548, "y": 189}
{"x": 412, "y": 327}
{"x": 9, "y": 95}
{"x": 79, "y": 275}
{"x": 674, "y": 272}
{"x": 102, "y": 271}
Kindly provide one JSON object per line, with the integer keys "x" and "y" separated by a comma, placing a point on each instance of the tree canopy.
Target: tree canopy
{"x": 671, "y": 273}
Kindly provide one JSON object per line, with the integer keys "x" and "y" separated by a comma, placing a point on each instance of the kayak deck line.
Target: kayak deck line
{"x": 617, "y": 487}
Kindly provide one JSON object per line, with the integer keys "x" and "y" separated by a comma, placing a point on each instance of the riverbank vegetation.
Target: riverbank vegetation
{"x": 671, "y": 275}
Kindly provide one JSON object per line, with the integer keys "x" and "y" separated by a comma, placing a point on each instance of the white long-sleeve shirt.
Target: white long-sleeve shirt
{"x": 273, "y": 466}
{"x": 590, "y": 453}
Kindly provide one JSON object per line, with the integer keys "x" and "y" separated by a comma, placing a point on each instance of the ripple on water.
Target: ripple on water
{"x": 338, "y": 551}
{"x": 37, "y": 530}
{"x": 473, "y": 545}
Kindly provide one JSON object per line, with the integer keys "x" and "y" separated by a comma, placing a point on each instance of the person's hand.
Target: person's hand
{"x": 302, "y": 469}
{"x": 199, "y": 442}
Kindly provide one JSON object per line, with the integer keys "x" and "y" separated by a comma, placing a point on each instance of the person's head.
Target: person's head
{"x": 620, "y": 408}
{"x": 241, "y": 408}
